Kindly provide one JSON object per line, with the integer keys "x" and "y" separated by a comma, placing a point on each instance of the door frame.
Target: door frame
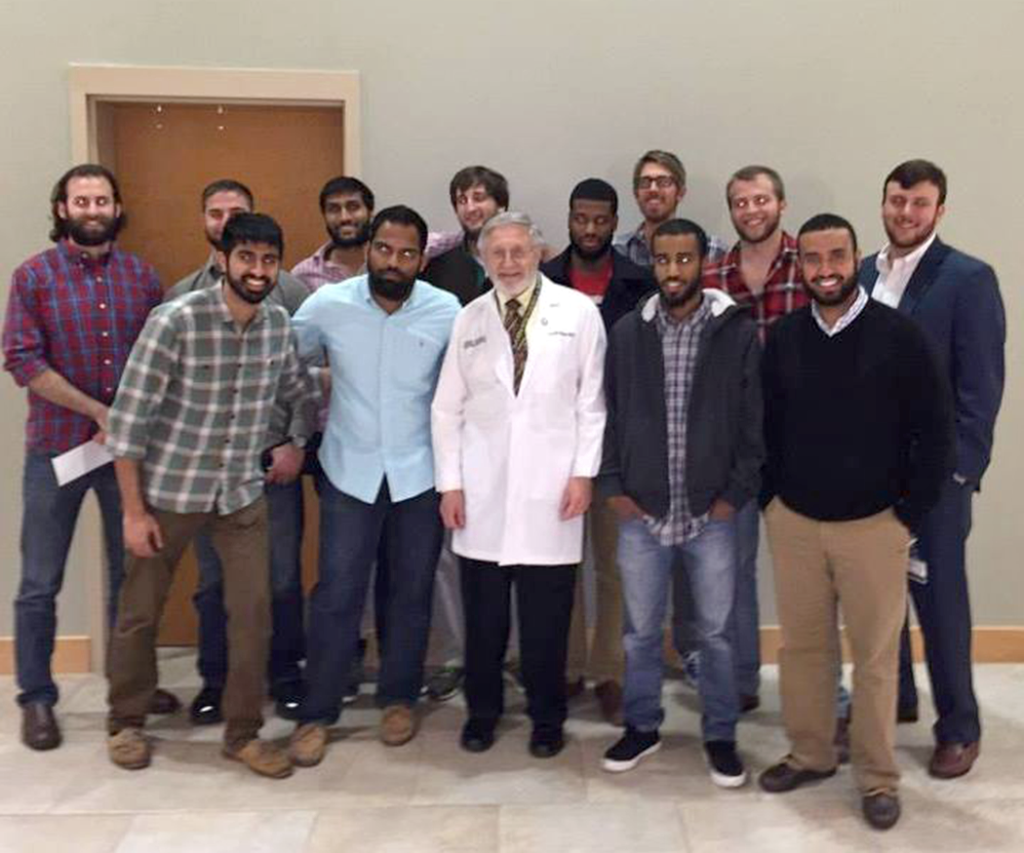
{"x": 91, "y": 85}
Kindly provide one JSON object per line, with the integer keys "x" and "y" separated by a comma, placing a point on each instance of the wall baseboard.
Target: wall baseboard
{"x": 71, "y": 654}
{"x": 992, "y": 644}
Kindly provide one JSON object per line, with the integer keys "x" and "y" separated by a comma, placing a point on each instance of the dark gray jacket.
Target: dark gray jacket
{"x": 724, "y": 440}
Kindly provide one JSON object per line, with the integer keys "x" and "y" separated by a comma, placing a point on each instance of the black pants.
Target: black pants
{"x": 544, "y": 597}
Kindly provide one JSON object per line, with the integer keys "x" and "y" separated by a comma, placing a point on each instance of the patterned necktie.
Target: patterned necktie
{"x": 516, "y": 328}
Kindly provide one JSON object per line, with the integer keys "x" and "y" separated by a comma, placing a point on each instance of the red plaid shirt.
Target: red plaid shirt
{"x": 78, "y": 316}
{"x": 783, "y": 289}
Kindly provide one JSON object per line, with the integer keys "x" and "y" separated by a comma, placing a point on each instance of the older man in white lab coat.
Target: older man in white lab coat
{"x": 518, "y": 420}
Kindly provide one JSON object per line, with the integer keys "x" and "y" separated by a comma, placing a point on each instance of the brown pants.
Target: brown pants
{"x": 240, "y": 540}
{"x": 605, "y": 661}
{"x": 862, "y": 566}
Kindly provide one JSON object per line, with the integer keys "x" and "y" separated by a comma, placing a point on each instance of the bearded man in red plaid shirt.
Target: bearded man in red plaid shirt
{"x": 73, "y": 313}
{"x": 760, "y": 271}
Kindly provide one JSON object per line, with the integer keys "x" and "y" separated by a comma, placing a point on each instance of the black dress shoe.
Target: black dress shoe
{"x": 205, "y": 709}
{"x": 39, "y": 729}
{"x": 749, "y": 702}
{"x": 477, "y": 736}
{"x": 546, "y": 743}
{"x": 783, "y": 777}
{"x": 164, "y": 702}
{"x": 288, "y": 699}
{"x": 906, "y": 714}
{"x": 881, "y": 809}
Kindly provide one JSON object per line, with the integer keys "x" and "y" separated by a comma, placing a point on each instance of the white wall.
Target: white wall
{"x": 831, "y": 93}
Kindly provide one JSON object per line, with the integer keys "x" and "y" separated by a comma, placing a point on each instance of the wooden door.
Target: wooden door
{"x": 163, "y": 155}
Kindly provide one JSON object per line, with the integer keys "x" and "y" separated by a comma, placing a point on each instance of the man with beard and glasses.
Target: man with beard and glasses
{"x": 187, "y": 431}
{"x": 221, "y": 201}
{"x": 385, "y": 334}
{"x": 955, "y": 300}
{"x": 682, "y": 453}
{"x": 616, "y": 284}
{"x": 73, "y": 313}
{"x": 760, "y": 272}
{"x": 347, "y": 208}
{"x": 659, "y": 185}
{"x": 858, "y": 429}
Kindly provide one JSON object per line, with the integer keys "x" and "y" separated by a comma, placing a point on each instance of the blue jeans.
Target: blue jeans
{"x": 47, "y": 525}
{"x": 746, "y": 620}
{"x": 646, "y": 566}
{"x": 350, "y": 535}
{"x": 288, "y": 637}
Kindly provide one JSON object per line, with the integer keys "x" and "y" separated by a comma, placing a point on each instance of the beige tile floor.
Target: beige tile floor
{"x": 430, "y": 797}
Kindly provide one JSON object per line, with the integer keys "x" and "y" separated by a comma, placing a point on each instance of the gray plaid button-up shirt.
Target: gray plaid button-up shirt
{"x": 195, "y": 400}
{"x": 680, "y": 343}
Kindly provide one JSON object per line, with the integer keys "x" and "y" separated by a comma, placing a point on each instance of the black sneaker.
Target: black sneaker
{"x": 626, "y": 753}
{"x": 445, "y": 683}
{"x": 288, "y": 699}
{"x": 727, "y": 770}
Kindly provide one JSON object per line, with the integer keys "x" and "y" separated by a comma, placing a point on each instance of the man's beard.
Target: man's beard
{"x": 77, "y": 231}
{"x": 682, "y": 297}
{"x": 773, "y": 226}
{"x": 837, "y": 297}
{"x": 238, "y": 286}
{"x": 592, "y": 254}
{"x": 361, "y": 238}
{"x": 912, "y": 244}
{"x": 392, "y": 290}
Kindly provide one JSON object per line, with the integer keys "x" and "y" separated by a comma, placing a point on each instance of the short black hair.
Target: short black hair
{"x": 594, "y": 189}
{"x": 399, "y": 214}
{"x": 493, "y": 182}
{"x": 251, "y": 228}
{"x": 59, "y": 195}
{"x": 682, "y": 226}
{"x": 344, "y": 185}
{"x": 750, "y": 173}
{"x": 827, "y": 222}
{"x": 226, "y": 185}
{"x": 912, "y": 172}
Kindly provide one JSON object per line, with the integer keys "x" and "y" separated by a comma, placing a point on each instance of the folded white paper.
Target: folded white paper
{"x": 79, "y": 461}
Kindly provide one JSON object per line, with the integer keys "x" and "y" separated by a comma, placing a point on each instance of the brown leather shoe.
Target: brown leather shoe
{"x": 397, "y": 725}
{"x": 164, "y": 702}
{"x": 609, "y": 698}
{"x": 308, "y": 744}
{"x": 953, "y": 759}
{"x": 262, "y": 757}
{"x": 39, "y": 729}
{"x": 574, "y": 688}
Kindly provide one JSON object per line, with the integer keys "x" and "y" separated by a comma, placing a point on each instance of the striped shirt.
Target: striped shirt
{"x": 79, "y": 316}
{"x": 195, "y": 402}
{"x": 680, "y": 343}
{"x": 783, "y": 290}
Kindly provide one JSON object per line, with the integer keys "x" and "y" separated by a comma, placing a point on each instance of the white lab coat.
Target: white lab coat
{"x": 512, "y": 455}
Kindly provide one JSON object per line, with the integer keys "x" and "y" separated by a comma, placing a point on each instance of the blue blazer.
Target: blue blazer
{"x": 955, "y": 299}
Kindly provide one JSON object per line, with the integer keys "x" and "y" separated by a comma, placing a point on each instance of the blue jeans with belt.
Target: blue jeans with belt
{"x": 47, "y": 526}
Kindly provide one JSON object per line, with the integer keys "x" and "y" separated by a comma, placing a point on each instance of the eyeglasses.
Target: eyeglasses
{"x": 662, "y": 182}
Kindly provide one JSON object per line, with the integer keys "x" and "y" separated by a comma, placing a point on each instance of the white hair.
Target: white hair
{"x": 511, "y": 217}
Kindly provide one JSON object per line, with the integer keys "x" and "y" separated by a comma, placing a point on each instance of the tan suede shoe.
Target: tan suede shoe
{"x": 308, "y": 744}
{"x": 397, "y": 725}
{"x": 130, "y": 749}
{"x": 261, "y": 757}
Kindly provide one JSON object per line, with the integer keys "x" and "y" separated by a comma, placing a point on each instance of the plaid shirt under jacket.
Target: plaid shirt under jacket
{"x": 79, "y": 316}
{"x": 196, "y": 397}
{"x": 634, "y": 246}
{"x": 680, "y": 343}
{"x": 783, "y": 289}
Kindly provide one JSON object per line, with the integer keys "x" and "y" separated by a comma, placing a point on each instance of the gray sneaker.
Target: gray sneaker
{"x": 445, "y": 683}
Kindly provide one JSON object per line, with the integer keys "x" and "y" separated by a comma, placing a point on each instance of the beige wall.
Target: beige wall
{"x": 831, "y": 93}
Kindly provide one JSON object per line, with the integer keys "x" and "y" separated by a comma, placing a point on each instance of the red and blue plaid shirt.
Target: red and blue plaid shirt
{"x": 783, "y": 289}
{"x": 78, "y": 316}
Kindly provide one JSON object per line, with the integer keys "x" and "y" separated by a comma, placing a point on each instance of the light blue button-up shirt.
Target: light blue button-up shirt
{"x": 384, "y": 368}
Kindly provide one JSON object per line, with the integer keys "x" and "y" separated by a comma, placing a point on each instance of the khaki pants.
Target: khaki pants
{"x": 862, "y": 566}
{"x": 605, "y": 661}
{"x": 240, "y": 540}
